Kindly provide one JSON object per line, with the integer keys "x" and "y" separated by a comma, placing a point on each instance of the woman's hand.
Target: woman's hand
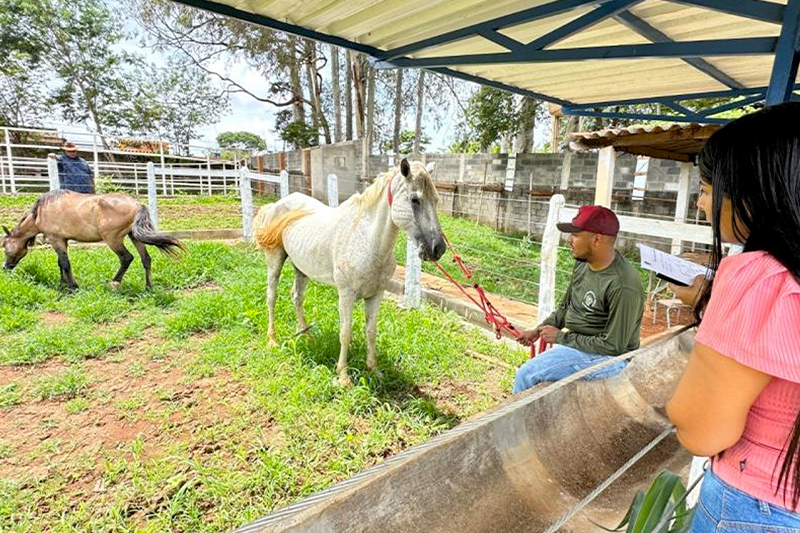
{"x": 689, "y": 295}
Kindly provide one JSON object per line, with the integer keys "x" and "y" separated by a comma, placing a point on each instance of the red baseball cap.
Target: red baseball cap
{"x": 592, "y": 218}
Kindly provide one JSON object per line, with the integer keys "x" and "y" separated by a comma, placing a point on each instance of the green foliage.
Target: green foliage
{"x": 407, "y": 142}
{"x": 298, "y": 134}
{"x": 662, "y": 509}
{"x": 103, "y": 185}
{"x": 241, "y": 140}
{"x": 65, "y": 385}
{"x": 9, "y": 395}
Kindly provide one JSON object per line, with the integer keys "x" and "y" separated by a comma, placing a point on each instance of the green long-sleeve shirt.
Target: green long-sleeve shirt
{"x": 601, "y": 309}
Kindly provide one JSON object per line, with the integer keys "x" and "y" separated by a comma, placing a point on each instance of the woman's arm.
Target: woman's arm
{"x": 710, "y": 404}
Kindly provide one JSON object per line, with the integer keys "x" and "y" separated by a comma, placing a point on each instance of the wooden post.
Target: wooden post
{"x": 547, "y": 276}
{"x": 605, "y": 176}
{"x": 10, "y": 163}
{"x": 530, "y": 199}
{"x": 208, "y": 166}
{"x": 284, "y": 184}
{"x": 52, "y": 173}
{"x": 246, "y": 192}
{"x": 224, "y": 179}
{"x": 682, "y": 204}
{"x": 412, "y": 293}
{"x": 136, "y": 178}
{"x": 96, "y": 158}
{"x": 151, "y": 193}
{"x": 333, "y": 190}
{"x": 163, "y": 166}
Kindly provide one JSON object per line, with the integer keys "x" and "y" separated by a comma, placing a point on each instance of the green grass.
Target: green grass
{"x": 64, "y": 385}
{"x": 183, "y": 212}
{"x": 235, "y": 430}
{"x": 507, "y": 264}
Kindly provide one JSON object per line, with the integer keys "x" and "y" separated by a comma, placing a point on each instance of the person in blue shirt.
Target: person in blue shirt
{"x": 74, "y": 173}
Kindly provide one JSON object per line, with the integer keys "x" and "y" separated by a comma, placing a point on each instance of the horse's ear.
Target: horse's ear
{"x": 6, "y": 230}
{"x": 405, "y": 168}
{"x": 430, "y": 167}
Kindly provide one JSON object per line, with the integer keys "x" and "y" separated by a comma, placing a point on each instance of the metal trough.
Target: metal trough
{"x": 517, "y": 468}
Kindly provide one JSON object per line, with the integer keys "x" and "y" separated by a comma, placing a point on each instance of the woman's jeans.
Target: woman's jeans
{"x": 725, "y": 509}
{"x": 559, "y": 362}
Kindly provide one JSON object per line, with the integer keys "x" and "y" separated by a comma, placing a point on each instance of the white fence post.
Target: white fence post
{"x": 96, "y": 159}
{"x": 412, "y": 293}
{"x": 333, "y": 190}
{"x": 10, "y": 163}
{"x": 284, "y": 183}
{"x": 151, "y": 193}
{"x": 52, "y": 173}
{"x": 549, "y": 257}
{"x": 247, "y": 204}
{"x": 208, "y": 166}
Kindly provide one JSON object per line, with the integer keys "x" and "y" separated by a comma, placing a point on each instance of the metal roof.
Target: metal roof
{"x": 582, "y": 54}
{"x": 676, "y": 142}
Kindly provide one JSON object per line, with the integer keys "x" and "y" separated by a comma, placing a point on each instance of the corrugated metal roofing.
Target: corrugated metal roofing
{"x": 677, "y": 142}
{"x": 381, "y": 26}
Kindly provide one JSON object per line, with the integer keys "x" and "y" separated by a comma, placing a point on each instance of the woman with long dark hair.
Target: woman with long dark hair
{"x": 738, "y": 400}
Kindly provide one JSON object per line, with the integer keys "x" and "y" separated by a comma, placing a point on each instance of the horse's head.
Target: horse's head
{"x": 414, "y": 209}
{"x": 15, "y": 247}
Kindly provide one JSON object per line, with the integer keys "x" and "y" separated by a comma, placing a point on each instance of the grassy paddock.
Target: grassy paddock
{"x": 124, "y": 410}
{"x": 174, "y": 213}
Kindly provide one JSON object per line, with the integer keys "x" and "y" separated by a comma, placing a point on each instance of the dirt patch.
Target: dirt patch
{"x": 51, "y": 318}
{"x": 129, "y": 397}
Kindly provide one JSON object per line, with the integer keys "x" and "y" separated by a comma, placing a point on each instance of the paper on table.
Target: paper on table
{"x": 670, "y": 266}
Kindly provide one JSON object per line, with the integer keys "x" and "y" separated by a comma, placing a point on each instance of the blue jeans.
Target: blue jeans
{"x": 559, "y": 362}
{"x": 725, "y": 509}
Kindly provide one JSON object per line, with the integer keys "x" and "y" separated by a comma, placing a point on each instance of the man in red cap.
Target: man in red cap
{"x": 600, "y": 313}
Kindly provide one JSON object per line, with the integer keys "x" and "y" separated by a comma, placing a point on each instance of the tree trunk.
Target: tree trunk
{"x": 337, "y": 104}
{"x": 420, "y": 106}
{"x": 398, "y": 110}
{"x": 360, "y": 84}
{"x": 370, "y": 131}
{"x": 527, "y": 121}
{"x": 318, "y": 118}
{"x": 298, "y": 109}
{"x": 348, "y": 97}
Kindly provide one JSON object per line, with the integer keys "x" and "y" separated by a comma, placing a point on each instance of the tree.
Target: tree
{"x": 408, "y": 140}
{"x": 241, "y": 140}
{"x": 490, "y": 114}
{"x": 296, "y": 133}
{"x": 398, "y": 110}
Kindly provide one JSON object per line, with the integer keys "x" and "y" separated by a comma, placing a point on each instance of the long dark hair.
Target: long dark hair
{"x": 755, "y": 162}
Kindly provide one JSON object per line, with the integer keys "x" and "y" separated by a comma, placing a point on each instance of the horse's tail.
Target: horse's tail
{"x": 270, "y": 235}
{"x": 144, "y": 231}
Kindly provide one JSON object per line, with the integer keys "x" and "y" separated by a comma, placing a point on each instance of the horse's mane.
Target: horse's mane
{"x": 377, "y": 190}
{"x": 45, "y": 199}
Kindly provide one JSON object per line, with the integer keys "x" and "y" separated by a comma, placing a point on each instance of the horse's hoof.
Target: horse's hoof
{"x": 342, "y": 380}
{"x": 272, "y": 343}
{"x": 114, "y": 284}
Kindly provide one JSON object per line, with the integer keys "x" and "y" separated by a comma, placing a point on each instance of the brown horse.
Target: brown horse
{"x": 62, "y": 215}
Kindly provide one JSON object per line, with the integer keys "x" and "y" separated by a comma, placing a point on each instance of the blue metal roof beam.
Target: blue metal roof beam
{"x": 787, "y": 56}
{"x": 752, "y": 9}
{"x": 513, "y": 19}
{"x": 644, "y": 29}
{"x": 591, "y": 18}
{"x": 726, "y": 47}
{"x": 641, "y": 116}
{"x": 732, "y": 105}
{"x": 677, "y": 97}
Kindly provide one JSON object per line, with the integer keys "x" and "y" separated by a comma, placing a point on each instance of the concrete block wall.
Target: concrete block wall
{"x": 545, "y": 173}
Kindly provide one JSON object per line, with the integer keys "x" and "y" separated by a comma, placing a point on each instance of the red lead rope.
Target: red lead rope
{"x": 493, "y": 317}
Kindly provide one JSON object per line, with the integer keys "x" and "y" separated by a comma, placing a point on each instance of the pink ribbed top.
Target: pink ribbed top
{"x": 753, "y": 317}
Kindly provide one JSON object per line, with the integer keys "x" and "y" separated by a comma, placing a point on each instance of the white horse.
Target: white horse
{"x": 350, "y": 247}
